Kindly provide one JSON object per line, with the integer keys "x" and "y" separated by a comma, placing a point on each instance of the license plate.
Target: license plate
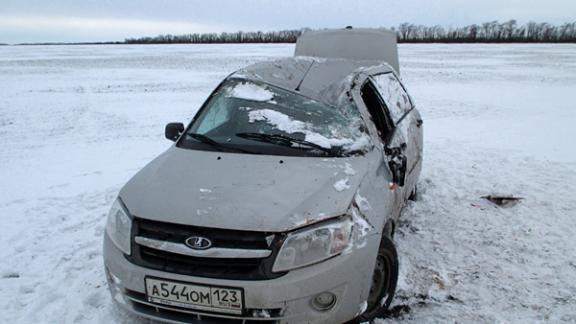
{"x": 193, "y": 296}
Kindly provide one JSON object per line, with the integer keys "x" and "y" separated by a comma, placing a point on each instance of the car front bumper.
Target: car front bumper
{"x": 287, "y": 299}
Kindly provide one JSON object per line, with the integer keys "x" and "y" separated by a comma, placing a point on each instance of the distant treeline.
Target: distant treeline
{"x": 489, "y": 32}
{"x": 283, "y": 36}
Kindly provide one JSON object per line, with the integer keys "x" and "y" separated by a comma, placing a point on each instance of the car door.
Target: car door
{"x": 383, "y": 122}
{"x": 406, "y": 120}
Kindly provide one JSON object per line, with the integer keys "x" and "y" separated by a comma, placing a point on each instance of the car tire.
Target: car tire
{"x": 384, "y": 282}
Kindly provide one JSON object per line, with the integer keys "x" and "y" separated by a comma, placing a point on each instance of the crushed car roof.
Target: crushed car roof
{"x": 322, "y": 79}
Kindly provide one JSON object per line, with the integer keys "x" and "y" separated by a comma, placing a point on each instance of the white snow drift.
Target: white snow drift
{"x": 76, "y": 122}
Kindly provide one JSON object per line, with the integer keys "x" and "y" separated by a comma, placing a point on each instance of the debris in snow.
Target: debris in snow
{"x": 503, "y": 201}
{"x": 478, "y": 206}
{"x": 398, "y": 311}
{"x": 251, "y": 91}
{"x": 342, "y": 185}
{"x": 10, "y": 275}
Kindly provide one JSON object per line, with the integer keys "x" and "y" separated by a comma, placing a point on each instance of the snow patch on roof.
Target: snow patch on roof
{"x": 251, "y": 91}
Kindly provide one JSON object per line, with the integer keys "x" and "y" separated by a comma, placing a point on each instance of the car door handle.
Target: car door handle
{"x": 419, "y": 122}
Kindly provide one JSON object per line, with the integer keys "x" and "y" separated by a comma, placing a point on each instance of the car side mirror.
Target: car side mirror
{"x": 397, "y": 164}
{"x": 173, "y": 131}
{"x": 398, "y": 169}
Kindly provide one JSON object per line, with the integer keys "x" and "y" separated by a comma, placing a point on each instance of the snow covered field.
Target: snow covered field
{"x": 76, "y": 122}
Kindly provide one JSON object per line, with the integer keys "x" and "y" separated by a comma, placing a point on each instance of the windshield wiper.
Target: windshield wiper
{"x": 282, "y": 140}
{"x": 207, "y": 140}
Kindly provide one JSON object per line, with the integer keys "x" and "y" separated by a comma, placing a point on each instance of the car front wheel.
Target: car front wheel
{"x": 384, "y": 281}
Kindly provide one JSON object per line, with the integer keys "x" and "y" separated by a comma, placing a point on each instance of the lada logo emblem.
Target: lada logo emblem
{"x": 198, "y": 243}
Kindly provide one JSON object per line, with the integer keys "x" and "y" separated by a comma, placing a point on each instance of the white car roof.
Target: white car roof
{"x": 324, "y": 80}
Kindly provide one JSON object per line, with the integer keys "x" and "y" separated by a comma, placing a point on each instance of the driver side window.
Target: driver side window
{"x": 394, "y": 95}
{"x": 378, "y": 111}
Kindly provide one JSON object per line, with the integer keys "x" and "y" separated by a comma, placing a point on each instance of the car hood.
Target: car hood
{"x": 243, "y": 191}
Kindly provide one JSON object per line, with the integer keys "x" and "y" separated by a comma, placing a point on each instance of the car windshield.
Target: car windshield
{"x": 254, "y": 117}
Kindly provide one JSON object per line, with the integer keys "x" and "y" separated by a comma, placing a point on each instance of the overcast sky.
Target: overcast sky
{"x": 113, "y": 20}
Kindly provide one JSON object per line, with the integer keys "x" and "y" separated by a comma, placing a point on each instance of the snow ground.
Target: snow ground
{"x": 76, "y": 122}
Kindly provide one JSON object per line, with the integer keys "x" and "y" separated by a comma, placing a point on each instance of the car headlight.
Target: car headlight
{"x": 119, "y": 226}
{"x": 314, "y": 244}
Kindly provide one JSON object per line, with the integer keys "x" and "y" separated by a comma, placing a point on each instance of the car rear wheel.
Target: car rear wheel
{"x": 384, "y": 281}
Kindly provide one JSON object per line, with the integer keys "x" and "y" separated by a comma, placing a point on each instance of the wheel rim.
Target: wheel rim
{"x": 381, "y": 282}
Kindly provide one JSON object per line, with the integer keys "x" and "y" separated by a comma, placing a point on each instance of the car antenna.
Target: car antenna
{"x": 304, "y": 76}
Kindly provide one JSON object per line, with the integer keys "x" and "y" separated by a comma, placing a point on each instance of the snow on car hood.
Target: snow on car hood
{"x": 242, "y": 191}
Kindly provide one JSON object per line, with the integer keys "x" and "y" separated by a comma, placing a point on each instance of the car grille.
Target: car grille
{"x": 209, "y": 267}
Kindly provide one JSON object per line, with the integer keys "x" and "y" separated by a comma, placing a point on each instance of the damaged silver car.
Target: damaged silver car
{"x": 278, "y": 202}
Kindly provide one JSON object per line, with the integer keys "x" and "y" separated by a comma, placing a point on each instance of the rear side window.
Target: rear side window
{"x": 394, "y": 95}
